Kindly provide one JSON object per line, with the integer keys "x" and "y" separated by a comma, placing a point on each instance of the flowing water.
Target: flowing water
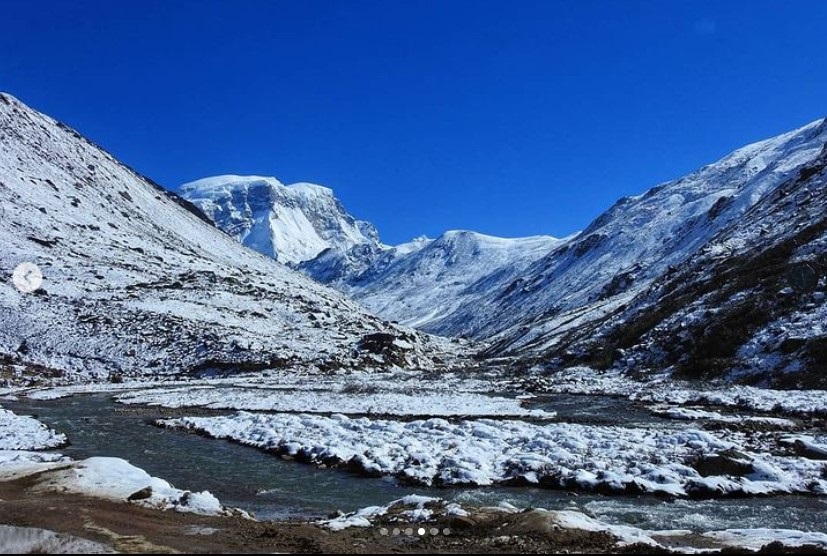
{"x": 276, "y": 489}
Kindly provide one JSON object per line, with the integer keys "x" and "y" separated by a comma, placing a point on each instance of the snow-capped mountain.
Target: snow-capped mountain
{"x": 306, "y": 226}
{"x": 291, "y": 223}
{"x": 424, "y": 281}
{"x": 606, "y": 292}
{"x": 136, "y": 282}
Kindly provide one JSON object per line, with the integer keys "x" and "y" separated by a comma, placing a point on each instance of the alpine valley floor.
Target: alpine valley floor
{"x": 413, "y": 461}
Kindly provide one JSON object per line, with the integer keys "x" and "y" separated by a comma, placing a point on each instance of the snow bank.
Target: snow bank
{"x": 756, "y": 538}
{"x": 664, "y": 389}
{"x": 16, "y": 464}
{"x": 486, "y": 452}
{"x": 30, "y": 540}
{"x": 421, "y": 403}
{"x": 692, "y": 414}
{"x": 116, "y": 479}
{"x": 19, "y": 432}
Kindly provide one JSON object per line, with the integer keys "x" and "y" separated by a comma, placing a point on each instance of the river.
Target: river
{"x": 276, "y": 489}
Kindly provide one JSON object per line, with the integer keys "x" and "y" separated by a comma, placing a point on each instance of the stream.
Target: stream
{"x": 276, "y": 489}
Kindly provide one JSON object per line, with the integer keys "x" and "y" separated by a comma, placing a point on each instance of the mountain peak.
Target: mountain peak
{"x": 291, "y": 223}
{"x": 311, "y": 189}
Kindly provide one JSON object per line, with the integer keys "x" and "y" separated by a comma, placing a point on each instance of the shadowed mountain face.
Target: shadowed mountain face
{"x": 749, "y": 305}
{"x": 135, "y": 282}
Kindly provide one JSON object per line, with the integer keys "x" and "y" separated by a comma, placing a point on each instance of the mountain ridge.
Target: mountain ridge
{"x": 136, "y": 283}
{"x": 546, "y": 297}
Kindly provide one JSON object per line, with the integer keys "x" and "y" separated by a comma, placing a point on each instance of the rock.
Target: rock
{"x": 463, "y": 522}
{"x": 728, "y": 462}
{"x": 390, "y": 347}
{"x": 142, "y": 494}
{"x": 809, "y": 451}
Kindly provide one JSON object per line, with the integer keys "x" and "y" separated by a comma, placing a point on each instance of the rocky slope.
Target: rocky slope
{"x": 749, "y": 305}
{"x": 137, "y": 283}
{"x": 636, "y": 242}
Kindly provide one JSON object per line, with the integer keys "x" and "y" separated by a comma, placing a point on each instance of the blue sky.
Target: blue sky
{"x": 510, "y": 118}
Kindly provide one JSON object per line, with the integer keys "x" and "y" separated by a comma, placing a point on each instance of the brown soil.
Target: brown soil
{"x": 133, "y": 529}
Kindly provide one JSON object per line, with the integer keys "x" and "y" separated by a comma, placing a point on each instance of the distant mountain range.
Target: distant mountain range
{"x": 692, "y": 274}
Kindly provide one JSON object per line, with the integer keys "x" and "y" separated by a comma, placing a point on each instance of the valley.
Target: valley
{"x": 251, "y": 359}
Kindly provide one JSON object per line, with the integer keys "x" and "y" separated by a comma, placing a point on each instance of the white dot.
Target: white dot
{"x": 421, "y": 531}
{"x": 383, "y": 532}
{"x": 27, "y": 277}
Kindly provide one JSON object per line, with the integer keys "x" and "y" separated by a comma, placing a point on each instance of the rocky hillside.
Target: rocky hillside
{"x": 750, "y": 305}
{"x": 137, "y": 283}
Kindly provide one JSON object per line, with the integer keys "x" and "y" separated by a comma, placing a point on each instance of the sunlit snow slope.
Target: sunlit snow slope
{"x": 137, "y": 283}
{"x": 641, "y": 239}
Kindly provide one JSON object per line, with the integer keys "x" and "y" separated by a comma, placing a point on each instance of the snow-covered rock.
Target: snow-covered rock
{"x": 21, "y": 432}
{"x": 117, "y": 480}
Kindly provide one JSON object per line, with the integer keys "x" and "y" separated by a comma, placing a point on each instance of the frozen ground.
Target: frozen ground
{"x": 664, "y": 389}
{"x": 362, "y": 401}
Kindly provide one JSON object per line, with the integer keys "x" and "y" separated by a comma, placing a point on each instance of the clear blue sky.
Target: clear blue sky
{"x": 511, "y": 118}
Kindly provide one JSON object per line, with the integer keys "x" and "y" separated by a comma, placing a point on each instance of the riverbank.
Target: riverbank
{"x": 128, "y": 528}
{"x": 133, "y": 529}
